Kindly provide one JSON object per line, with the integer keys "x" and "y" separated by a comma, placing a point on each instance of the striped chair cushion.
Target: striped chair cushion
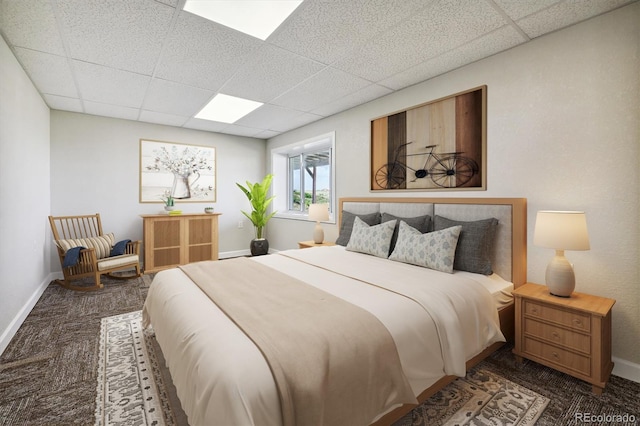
{"x": 102, "y": 244}
{"x": 116, "y": 261}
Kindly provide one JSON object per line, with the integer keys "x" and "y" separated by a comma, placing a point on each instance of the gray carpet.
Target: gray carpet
{"x": 48, "y": 371}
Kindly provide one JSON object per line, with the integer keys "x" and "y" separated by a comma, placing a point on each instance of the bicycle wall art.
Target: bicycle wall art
{"x": 439, "y": 145}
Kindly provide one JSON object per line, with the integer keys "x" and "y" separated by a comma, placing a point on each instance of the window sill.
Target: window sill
{"x": 300, "y": 216}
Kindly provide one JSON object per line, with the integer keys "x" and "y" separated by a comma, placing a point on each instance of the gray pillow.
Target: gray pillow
{"x": 475, "y": 244}
{"x": 434, "y": 250}
{"x": 373, "y": 240}
{"x": 421, "y": 223}
{"x": 346, "y": 226}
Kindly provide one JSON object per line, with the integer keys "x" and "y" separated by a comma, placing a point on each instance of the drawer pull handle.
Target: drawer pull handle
{"x": 555, "y": 335}
{"x": 555, "y": 355}
{"x": 534, "y": 310}
{"x": 577, "y": 322}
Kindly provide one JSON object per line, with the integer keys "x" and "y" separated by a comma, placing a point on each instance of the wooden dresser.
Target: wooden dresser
{"x": 170, "y": 241}
{"x": 572, "y": 335}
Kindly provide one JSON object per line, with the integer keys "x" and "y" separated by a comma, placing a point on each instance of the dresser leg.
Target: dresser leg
{"x": 518, "y": 359}
{"x": 597, "y": 389}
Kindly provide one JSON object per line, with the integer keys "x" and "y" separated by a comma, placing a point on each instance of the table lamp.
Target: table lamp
{"x": 561, "y": 230}
{"x": 318, "y": 212}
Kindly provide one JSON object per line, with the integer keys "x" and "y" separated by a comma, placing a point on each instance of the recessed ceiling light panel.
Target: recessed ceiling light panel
{"x": 227, "y": 109}
{"x": 258, "y": 18}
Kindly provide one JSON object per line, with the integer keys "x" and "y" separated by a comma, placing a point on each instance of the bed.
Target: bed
{"x": 230, "y": 365}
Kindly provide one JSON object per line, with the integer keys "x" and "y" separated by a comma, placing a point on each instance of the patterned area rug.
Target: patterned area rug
{"x": 131, "y": 388}
{"x": 480, "y": 398}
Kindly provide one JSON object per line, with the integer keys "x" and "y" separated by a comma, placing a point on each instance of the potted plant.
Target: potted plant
{"x": 257, "y": 193}
{"x": 169, "y": 201}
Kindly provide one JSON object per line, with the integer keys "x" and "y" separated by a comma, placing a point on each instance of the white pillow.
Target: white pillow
{"x": 434, "y": 250}
{"x": 375, "y": 240}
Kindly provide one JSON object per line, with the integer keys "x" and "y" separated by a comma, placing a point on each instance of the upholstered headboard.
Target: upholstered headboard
{"x": 509, "y": 257}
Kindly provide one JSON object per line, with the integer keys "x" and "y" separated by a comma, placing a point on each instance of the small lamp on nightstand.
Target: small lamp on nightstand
{"x": 561, "y": 230}
{"x": 318, "y": 212}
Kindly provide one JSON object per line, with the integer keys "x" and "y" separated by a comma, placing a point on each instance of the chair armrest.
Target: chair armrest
{"x": 87, "y": 256}
{"x": 133, "y": 247}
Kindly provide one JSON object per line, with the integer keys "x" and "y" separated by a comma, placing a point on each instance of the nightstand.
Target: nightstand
{"x": 309, "y": 244}
{"x": 572, "y": 335}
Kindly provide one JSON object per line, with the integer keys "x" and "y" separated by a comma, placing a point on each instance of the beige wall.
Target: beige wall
{"x": 563, "y": 131}
{"x": 24, "y": 191}
{"x": 95, "y": 168}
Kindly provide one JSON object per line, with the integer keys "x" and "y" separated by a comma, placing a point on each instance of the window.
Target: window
{"x": 304, "y": 174}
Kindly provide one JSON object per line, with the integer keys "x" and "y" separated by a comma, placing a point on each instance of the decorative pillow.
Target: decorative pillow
{"x": 346, "y": 226}
{"x": 102, "y": 244}
{"x": 475, "y": 244}
{"x": 435, "y": 250}
{"x": 421, "y": 223}
{"x": 373, "y": 240}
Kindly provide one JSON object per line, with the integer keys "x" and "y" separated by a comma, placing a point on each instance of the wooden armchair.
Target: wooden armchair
{"x": 95, "y": 258}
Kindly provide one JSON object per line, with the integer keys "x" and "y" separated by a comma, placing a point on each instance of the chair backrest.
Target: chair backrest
{"x": 75, "y": 227}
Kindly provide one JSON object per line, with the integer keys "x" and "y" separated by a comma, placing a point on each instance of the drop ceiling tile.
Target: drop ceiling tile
{"x": 326, "y": 86}
{"x": 30, "y": 24}
{"x": 266, "y": 134}
{"x": 114, "y": 111}
{"x": 320, "y": 30}
{"x": 110, "y": 86}
{"x": 564, "y": 14}
{"x": 299, "y": 121}
{"x": 126, "y": 35}
{"x": 204, "y": 54}
{"x": 172, "y": 3}
{"x": 271, "y": 72}
{"x": 517, "y": 9}
{"x": 63, "y": 104}
{"x": 50, "y": 73}
{"x": 207, "y": 125}
{"x": 268, "y": 117}
{"x": 360, "y": 97}
{"x": 234, "y": 129}
{"x": 490, "y": 44}
{"x": 174, "y": 98}
{"x": 161, "y": 118}
{"x": 443, "y": 26}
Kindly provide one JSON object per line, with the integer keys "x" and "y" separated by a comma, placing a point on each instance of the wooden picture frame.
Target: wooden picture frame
{"x": 436, "y": 146}
{"x": 185, "y": 172}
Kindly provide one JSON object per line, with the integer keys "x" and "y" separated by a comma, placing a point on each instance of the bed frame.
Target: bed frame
{"x": 509, "y": 257}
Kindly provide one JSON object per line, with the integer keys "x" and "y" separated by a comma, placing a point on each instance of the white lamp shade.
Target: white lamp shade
{"x": 561, "y": 230}
{"x": 319, "y": 212}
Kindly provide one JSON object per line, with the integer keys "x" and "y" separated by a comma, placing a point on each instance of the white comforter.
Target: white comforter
{"x": 222, "y": 378}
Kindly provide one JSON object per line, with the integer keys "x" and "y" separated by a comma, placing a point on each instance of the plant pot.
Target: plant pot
{"x": 259, "y": 246}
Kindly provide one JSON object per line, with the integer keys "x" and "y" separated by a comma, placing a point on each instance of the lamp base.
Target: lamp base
{"x": 318, "y": 234}
{"x": 560, "y": 277}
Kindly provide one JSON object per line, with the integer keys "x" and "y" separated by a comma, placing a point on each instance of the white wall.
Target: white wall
{"x": 563, "y": 114}
{"x": 24, "y": 191}
{"x": 95, "y": 163}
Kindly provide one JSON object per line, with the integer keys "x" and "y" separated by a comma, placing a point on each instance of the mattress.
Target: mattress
{"x": 221, "y": 377}
{"x": 499, "y": 288}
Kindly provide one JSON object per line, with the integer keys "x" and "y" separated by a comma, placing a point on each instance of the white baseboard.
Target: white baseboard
{"x": 11, "y": 331}
{"x": 626, "y": 369}
{"x": 237, "y": 253}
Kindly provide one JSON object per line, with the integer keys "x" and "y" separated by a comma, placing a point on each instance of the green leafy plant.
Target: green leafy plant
{"x": 257, "y": 193}
{"x": 168, "y": 199}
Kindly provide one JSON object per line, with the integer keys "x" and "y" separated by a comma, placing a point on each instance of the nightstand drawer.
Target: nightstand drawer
{"x": 571, "y": 319}
{"x": 560, "y": 357}
{"x": 557, "y": 335}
